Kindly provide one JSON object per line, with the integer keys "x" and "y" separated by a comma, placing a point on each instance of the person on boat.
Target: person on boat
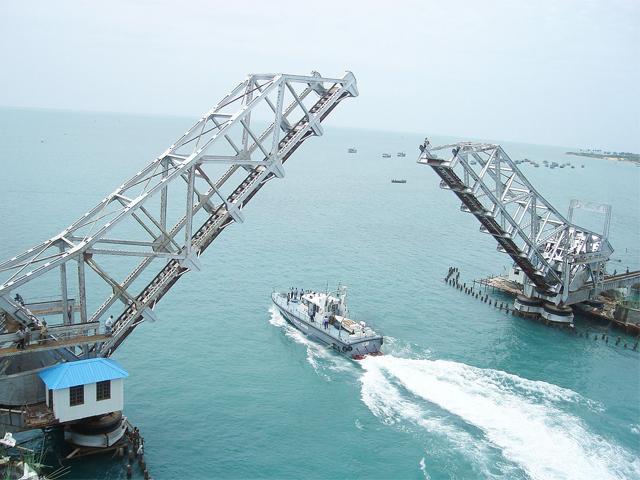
{"x": 325, "y": 321}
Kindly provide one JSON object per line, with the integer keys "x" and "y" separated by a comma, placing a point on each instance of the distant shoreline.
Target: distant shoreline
{"x": 627, "y": 157}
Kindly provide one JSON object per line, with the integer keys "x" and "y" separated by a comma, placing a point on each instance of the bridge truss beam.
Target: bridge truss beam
{"x": 556, "y": 256}
{"x": 141, "y": 238}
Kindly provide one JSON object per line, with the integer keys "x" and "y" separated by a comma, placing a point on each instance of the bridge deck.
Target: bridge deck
{"x": 53, "y": 345}
{"x": 212, "y": 227}
{"x": 455, "y": 183}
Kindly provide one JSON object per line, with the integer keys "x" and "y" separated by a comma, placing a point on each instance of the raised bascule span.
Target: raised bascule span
{"x": 126, "y": 253}
{"x": 557, "y": 262}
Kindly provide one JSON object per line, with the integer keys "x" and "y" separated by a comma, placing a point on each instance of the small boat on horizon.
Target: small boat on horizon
{"x": 386, "y": 155}
{"x": 323, "y": 317}
{"x": 401, "y": 154}
{"x": 352, "y": 150}
{"x": 402, "y": 180}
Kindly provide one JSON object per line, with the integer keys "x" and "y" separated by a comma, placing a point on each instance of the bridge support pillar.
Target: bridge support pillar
{"x": 528, "y": 306}
{"x": 558, "y": 314}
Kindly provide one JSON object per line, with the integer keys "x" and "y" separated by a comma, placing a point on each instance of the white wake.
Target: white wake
{"x": 318, "y": 356}
{"x": 523, "y": 418}
{"x": 500, "y": 423}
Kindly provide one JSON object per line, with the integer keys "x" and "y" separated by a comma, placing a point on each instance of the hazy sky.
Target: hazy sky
{"x": 564, "y": 72}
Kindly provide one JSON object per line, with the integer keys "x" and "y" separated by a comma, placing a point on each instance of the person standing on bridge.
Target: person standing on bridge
{"x": 108, "y": 325}
{"x": 20, "y": 341}
{"x": 18, "y": 298}
{"x": 27, "y": 336}
{"x": 44, "y": 332}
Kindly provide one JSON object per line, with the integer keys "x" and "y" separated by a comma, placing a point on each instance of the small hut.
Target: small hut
{"x": 84, "y": 388}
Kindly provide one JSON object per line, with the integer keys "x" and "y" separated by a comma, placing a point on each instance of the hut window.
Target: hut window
{"x": 76, "y": 395}
{"x": 103, "y": 390}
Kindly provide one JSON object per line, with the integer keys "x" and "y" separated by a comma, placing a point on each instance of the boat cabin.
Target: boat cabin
{"x": 84, "y": 388}
{"x": 323, "y": 303}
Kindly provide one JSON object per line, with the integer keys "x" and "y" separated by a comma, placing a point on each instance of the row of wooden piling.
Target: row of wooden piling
{"x": 453, "y": 279}
{"x": 605, "y": 337}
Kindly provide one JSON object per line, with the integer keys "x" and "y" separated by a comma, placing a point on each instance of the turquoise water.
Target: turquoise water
{"x": 220, "y": 387}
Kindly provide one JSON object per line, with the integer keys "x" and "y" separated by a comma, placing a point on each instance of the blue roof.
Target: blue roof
{"x": 81, "y": 372}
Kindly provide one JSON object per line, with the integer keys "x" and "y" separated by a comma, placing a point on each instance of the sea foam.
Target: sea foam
{"x": 525, "y": 419}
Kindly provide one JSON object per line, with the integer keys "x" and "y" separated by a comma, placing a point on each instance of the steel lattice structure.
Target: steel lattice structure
{"x": 161, "y": 220}
{"x": 558, "y": 258}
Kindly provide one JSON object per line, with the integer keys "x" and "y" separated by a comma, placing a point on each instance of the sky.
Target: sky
{"x": 546, "y": 72}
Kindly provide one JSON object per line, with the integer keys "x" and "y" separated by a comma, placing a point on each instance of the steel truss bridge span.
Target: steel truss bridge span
{"x": 560, "y": 262}
{"x": 161, "y": 220}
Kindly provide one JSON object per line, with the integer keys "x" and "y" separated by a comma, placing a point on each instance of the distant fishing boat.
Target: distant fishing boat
{"x": 386, "y": 155}
{"x": 401, "y": 154}
{"x": 398, "y": 181}
{"x": 352, "y": 150}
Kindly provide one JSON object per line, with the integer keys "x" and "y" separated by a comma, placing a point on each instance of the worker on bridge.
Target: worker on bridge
{"x": 108, "y": 325}
{"x": 44, "y": 332}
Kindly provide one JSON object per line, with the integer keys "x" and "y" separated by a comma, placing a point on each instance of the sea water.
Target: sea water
{"x": 222, "y": 387}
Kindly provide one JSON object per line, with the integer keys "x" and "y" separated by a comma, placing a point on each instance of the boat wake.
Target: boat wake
{"x": 496, "y": 424}
{"x": 527, "y": 421}
{"x": 322, "y": 359}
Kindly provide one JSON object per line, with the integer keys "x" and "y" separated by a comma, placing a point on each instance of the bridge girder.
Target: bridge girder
{"x": 127, "y": 251}
{"x": 556, "y": 256}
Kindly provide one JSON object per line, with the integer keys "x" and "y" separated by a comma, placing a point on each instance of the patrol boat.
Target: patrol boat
{"x": 324, "y": 317}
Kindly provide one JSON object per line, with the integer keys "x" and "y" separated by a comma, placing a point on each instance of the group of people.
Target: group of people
{"x": 24, "y": 335}
{"x": 295, "y": 294}
{"x": 137, "y": 441}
